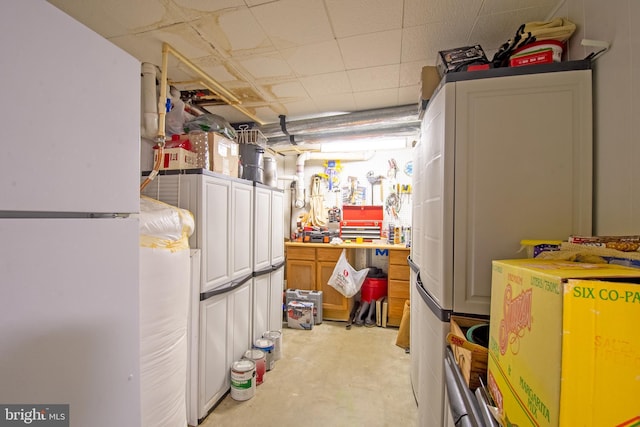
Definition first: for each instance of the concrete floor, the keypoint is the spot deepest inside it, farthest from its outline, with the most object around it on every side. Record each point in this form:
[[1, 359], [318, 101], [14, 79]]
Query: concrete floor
[[329, 376]]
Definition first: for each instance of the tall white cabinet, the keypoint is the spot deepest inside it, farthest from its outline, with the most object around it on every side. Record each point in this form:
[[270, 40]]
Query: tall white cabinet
[[237, 296], [221, 307], [504, 155], [268, 256]]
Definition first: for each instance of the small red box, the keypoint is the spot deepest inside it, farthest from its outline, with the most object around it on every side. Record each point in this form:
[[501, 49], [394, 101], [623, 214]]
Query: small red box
[[541, 57]]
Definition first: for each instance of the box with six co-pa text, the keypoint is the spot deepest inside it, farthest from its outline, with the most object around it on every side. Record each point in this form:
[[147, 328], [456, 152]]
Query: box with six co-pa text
[[564, 348]]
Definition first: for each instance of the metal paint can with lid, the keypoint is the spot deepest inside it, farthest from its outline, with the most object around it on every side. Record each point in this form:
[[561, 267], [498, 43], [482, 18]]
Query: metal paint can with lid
[[243, 385], [260, 359], [276, 337], [266, 345]]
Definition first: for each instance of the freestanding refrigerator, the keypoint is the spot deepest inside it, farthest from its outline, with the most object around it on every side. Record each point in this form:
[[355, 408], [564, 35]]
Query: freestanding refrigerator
[[504, 155], [69, 184]]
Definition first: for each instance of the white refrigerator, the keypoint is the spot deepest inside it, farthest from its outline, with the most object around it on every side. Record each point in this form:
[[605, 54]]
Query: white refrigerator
[[69, 198], [504, 155]]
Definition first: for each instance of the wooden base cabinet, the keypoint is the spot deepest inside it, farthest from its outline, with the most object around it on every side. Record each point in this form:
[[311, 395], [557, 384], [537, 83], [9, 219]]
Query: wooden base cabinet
[[398, 285]]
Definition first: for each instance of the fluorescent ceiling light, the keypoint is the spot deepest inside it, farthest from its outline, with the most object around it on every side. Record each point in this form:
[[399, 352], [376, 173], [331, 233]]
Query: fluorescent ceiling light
[[368, 144]]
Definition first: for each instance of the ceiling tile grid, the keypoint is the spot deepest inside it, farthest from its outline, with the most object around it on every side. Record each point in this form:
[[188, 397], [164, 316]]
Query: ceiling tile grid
[[306, 57]]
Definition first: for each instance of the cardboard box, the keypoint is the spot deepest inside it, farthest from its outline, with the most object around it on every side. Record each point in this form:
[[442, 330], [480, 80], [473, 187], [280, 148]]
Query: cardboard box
[[223, 155], [429, 82], [176, 158], [300, 315], [564, 349], [456, 59], [470, 357]]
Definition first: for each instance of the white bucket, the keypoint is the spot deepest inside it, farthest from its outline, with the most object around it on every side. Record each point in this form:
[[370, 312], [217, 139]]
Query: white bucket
[[276, 337], [266, 345], [243, 385]]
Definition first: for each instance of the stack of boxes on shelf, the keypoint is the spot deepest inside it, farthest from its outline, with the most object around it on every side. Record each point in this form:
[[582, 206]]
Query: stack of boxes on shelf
[[181, 153]]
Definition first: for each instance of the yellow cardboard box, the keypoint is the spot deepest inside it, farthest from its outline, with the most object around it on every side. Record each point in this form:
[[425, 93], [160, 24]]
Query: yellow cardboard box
[[223, 154], [564, 348]]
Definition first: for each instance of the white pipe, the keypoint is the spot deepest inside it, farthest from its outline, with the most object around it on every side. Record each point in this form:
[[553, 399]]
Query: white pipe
[[299, 203], [347, 156], [149, 101], [287, 177]]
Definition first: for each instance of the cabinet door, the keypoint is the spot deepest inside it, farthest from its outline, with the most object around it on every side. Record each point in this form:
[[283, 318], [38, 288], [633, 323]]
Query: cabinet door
[[241, 244], [276, 299], [240, 322], [522, 170], [277, 227], [261, 291], [262, 228], [301, 274], [335, 306], [435, 193], [215, 227], [213, 361]]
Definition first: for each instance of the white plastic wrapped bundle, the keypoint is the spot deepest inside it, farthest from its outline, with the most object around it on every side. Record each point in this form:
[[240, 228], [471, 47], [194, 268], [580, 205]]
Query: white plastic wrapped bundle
[[164, 304]]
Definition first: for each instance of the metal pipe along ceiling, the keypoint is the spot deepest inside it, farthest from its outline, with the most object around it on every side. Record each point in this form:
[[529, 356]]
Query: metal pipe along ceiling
[[392, 121]]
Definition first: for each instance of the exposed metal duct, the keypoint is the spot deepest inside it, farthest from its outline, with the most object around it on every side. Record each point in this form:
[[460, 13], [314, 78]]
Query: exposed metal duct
[[383, 122]]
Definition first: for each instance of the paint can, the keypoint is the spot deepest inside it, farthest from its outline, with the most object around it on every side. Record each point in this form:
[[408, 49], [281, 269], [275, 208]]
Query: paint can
[[243, 385], [266, 345], [260, 359], [276, 337]]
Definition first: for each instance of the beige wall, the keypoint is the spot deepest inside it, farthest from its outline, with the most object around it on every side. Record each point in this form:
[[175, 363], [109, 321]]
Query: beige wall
[[616, 108]]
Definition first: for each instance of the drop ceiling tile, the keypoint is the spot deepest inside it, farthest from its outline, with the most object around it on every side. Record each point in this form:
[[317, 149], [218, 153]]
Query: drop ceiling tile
[[291, 90], [376, 99], [353, 17], [227, 32], [335, 103], [374, 78], [319, 58], [297, 110], [291, 23], [423, 43], [120, 17], [408, 95], [494, 32], [326, 84], [411, 73], [218, 69], [267, 66], [490, 7], [208, 5], [455, 12], [371, 50], [147, 47]]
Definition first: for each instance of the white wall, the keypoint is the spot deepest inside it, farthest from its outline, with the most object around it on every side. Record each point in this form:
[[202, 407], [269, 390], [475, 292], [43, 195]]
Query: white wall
[[616, 108]]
